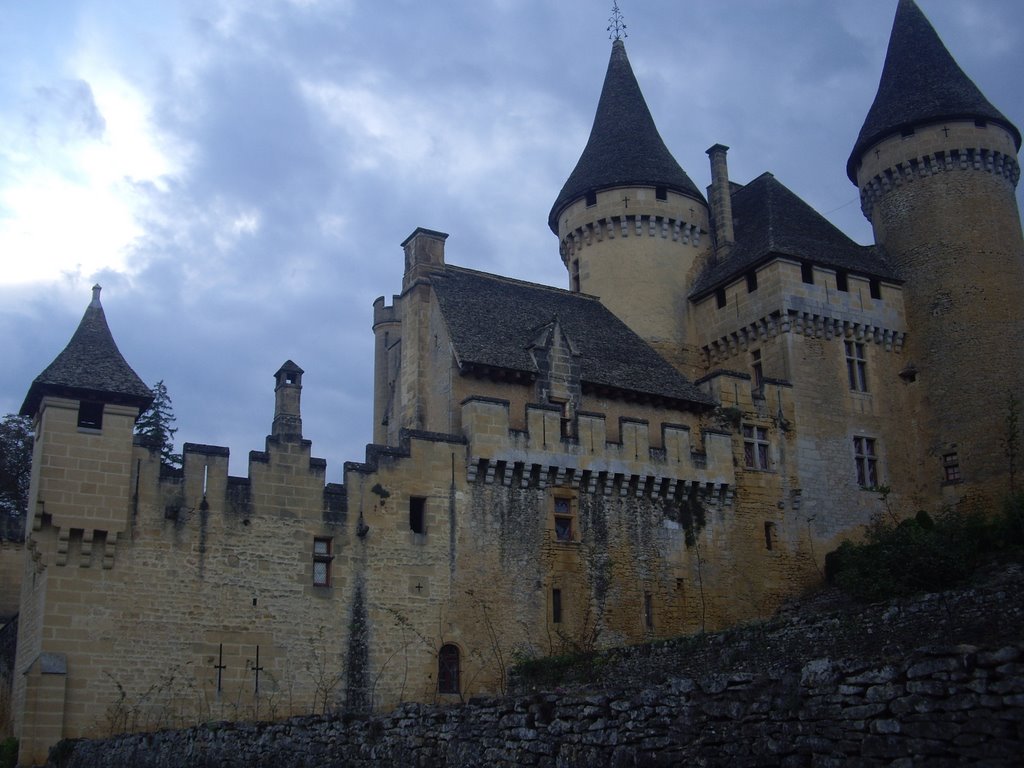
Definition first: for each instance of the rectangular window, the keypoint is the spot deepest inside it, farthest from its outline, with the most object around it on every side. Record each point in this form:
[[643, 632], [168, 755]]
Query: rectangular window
[[807, 272], [751, 281], [720, 297], [856, 366], [755, 447], [556, 606], [841, 281], [417, 514], [563, 519], [322, 558], [90, 415], [576, 275], [875, 286], [758, 370], [866, 458], [648, 611], [591, 198], [769, 535], [951, 467]]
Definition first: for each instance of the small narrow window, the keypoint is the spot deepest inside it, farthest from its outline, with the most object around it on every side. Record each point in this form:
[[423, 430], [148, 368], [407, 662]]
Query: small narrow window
[[648, 611], [90, 415], [563, 520], [856, 366], [751, 281], [769, 535], [907, 132], [951, 467], [661, 193], [755, 447], [591, 198], [576, 275], [720, 297], [842, 283], [448, 669], [322, 558], [865, 458], [417, 514], [758, 370], [807, 272], [556, 606], [875, 286], [981, 123]]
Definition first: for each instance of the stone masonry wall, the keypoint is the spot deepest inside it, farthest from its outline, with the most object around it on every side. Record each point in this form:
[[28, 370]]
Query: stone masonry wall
[[777, 695]]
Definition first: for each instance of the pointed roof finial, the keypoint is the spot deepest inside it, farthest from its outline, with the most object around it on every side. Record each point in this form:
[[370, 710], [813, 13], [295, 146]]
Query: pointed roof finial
[[96, 296], [616, 26]]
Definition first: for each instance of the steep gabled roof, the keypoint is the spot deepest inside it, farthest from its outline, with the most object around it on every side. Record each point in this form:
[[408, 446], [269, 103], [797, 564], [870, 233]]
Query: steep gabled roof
[[90, 368], [920, 83], [771, 220], [494, 320], [624, 147]]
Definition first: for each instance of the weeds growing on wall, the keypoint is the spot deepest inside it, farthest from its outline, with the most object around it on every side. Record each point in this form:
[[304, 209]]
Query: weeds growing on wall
[[922, 554], [8, 752]]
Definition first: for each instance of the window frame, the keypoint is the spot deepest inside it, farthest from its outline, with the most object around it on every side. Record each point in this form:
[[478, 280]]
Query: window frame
[[323, 557], [418, 513], [856, 365], [756, 448], [564, 519], [90, 415], [865, 457]]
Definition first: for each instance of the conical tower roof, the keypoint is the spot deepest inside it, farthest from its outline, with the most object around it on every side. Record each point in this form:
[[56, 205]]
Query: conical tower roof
[[90, 368], [625, 147], [920, 83]]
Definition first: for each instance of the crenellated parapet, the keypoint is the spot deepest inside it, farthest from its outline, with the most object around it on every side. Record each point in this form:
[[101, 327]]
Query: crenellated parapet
[[545, 455], [667, 228], [943, 161]]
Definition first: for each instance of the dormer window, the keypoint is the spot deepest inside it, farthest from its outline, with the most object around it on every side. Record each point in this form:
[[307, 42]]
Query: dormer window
[[90, 415], [720, 297], [661, 193]]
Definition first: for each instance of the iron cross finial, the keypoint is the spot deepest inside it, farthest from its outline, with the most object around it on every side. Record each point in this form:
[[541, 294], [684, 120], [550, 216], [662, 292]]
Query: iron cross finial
[[616, 26]]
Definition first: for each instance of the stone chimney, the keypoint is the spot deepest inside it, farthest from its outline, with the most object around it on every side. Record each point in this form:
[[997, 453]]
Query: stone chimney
[[287, 403], [424, 252], [720, 198]]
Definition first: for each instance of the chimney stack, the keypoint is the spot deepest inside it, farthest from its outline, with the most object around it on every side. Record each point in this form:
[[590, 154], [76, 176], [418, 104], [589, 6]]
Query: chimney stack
[[721, 201]]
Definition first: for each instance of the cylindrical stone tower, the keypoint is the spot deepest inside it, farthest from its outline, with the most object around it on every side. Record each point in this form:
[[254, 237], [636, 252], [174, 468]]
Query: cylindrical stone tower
[[936, 165]]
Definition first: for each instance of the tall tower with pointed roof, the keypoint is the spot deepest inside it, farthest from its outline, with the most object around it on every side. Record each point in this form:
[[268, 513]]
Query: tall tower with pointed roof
[[84, 406], [632, 226], [936, 165]]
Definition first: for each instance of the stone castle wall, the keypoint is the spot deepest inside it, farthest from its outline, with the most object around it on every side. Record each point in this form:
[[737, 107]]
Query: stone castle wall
[[824, 688]]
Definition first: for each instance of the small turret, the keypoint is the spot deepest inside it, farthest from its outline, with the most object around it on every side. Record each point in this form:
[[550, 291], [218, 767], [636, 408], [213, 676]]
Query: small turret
[[287, 403]]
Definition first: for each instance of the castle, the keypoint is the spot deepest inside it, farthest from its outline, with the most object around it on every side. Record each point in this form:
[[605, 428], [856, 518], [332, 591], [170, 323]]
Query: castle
[[670, 445]]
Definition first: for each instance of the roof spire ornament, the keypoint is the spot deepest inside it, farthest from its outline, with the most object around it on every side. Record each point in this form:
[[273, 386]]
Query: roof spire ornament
[[616, 26]]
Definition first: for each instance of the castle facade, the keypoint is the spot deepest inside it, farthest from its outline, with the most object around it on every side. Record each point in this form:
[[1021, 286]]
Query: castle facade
[[670, 445]]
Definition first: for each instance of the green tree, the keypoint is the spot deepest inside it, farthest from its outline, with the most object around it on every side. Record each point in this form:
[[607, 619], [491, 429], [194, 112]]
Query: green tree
[[156, 425], [15, 473]]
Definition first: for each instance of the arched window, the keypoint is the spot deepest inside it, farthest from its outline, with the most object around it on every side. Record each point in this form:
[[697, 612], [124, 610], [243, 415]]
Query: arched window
[[448, 669]]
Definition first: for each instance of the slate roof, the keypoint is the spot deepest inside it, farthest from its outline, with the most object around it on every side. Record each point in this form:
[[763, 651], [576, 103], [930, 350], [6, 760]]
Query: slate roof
[[493, 320], [624, 147], [90, 367], [771, 220], [921, 82]]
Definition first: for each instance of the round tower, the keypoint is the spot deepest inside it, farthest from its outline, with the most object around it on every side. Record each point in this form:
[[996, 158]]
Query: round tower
[[936, 165], [632, 226]]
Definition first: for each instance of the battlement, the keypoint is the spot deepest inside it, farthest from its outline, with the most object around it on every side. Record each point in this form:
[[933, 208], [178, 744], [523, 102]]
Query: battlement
[[545, 453]]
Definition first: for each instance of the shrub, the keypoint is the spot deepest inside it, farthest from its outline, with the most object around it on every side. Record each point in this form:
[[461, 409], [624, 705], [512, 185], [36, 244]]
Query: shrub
[[916, 555], [8, 752]]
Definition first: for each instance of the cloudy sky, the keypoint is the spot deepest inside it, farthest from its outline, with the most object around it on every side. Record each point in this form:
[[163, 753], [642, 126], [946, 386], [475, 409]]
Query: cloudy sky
[[239, 175]]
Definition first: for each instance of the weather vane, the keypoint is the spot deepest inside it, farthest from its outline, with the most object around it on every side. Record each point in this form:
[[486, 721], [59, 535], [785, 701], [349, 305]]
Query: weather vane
[[616, 26]]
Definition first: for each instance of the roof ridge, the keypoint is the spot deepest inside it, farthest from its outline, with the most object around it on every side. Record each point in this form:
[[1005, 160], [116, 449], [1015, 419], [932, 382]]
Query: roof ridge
[[525, 283]]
